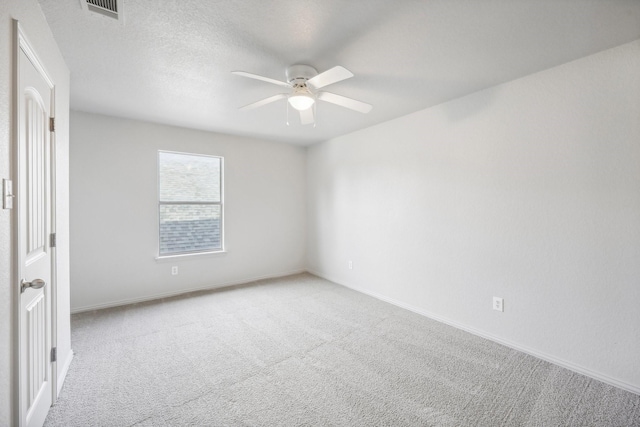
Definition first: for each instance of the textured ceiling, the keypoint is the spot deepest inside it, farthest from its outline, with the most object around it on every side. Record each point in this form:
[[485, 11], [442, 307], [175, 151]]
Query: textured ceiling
[[171, 61]]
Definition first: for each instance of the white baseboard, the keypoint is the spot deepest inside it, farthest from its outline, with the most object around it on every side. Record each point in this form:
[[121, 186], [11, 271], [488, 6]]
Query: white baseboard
[[62, 375], [508, 343], [152, 297]]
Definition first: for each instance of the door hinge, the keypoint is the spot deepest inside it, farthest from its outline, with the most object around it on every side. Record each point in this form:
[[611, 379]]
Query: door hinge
[[52, 124], [54, 354], [52, 240]]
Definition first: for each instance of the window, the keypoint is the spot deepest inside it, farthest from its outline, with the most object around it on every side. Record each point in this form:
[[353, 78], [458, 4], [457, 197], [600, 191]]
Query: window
[[189, 203]]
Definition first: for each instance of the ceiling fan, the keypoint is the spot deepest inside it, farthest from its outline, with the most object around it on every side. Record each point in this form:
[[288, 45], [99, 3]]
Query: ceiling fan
[[304, 84]]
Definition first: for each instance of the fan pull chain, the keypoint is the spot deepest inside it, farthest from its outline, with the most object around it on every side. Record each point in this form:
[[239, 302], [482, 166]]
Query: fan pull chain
[[288, 113], [315, 114]]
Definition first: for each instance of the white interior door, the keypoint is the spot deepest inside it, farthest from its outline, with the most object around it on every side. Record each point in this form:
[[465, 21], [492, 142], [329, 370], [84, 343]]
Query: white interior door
[[34, 254]]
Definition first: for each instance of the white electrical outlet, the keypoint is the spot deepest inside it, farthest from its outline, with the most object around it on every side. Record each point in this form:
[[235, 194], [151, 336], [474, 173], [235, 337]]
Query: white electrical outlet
[[174, 270], [350, 265], [498, 304]]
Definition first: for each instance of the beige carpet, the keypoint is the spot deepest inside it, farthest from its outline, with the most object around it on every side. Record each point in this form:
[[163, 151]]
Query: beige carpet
[[302, 351]]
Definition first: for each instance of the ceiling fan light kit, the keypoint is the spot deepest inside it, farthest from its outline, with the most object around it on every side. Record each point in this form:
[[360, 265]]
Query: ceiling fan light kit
[[304, 85], [301, 102]]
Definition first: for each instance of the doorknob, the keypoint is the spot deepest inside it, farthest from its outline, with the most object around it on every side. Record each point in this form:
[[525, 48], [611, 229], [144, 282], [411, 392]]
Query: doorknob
[[34, 284]]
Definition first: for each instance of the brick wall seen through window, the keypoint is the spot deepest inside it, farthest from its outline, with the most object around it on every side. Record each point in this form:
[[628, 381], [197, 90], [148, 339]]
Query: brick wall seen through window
[[189, 203]]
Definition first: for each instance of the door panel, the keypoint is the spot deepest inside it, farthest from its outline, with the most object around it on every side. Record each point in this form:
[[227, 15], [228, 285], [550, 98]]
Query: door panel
[[36, 349], [36, 140], [34, 225]]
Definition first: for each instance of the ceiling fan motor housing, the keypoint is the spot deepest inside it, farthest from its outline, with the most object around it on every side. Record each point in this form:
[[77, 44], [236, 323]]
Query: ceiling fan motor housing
[[297, 75]]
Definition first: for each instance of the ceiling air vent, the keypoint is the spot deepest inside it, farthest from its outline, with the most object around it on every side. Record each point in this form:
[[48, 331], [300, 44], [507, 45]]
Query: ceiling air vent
[[110, 8]]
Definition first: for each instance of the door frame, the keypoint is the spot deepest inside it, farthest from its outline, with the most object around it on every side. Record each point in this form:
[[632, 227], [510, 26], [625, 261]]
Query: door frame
[[21, 43]]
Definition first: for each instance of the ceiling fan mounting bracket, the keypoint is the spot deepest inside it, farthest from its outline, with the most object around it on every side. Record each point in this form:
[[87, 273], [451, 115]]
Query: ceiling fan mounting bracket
[[299, 74]]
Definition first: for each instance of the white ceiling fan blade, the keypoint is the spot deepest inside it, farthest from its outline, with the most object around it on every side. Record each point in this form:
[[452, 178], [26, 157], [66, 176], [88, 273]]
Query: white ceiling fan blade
[[306, 116], [343, 101], [330, 76], [264, 79], [264, 101]]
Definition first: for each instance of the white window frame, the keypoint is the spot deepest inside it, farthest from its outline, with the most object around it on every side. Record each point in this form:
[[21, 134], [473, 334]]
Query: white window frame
[[183, 202]]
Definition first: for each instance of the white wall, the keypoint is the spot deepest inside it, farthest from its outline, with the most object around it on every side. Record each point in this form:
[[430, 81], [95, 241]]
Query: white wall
[[114, 211], [37, 30], [529, 191]]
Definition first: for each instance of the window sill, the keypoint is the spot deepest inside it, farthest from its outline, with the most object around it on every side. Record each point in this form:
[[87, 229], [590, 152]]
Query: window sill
[[178, 257]]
